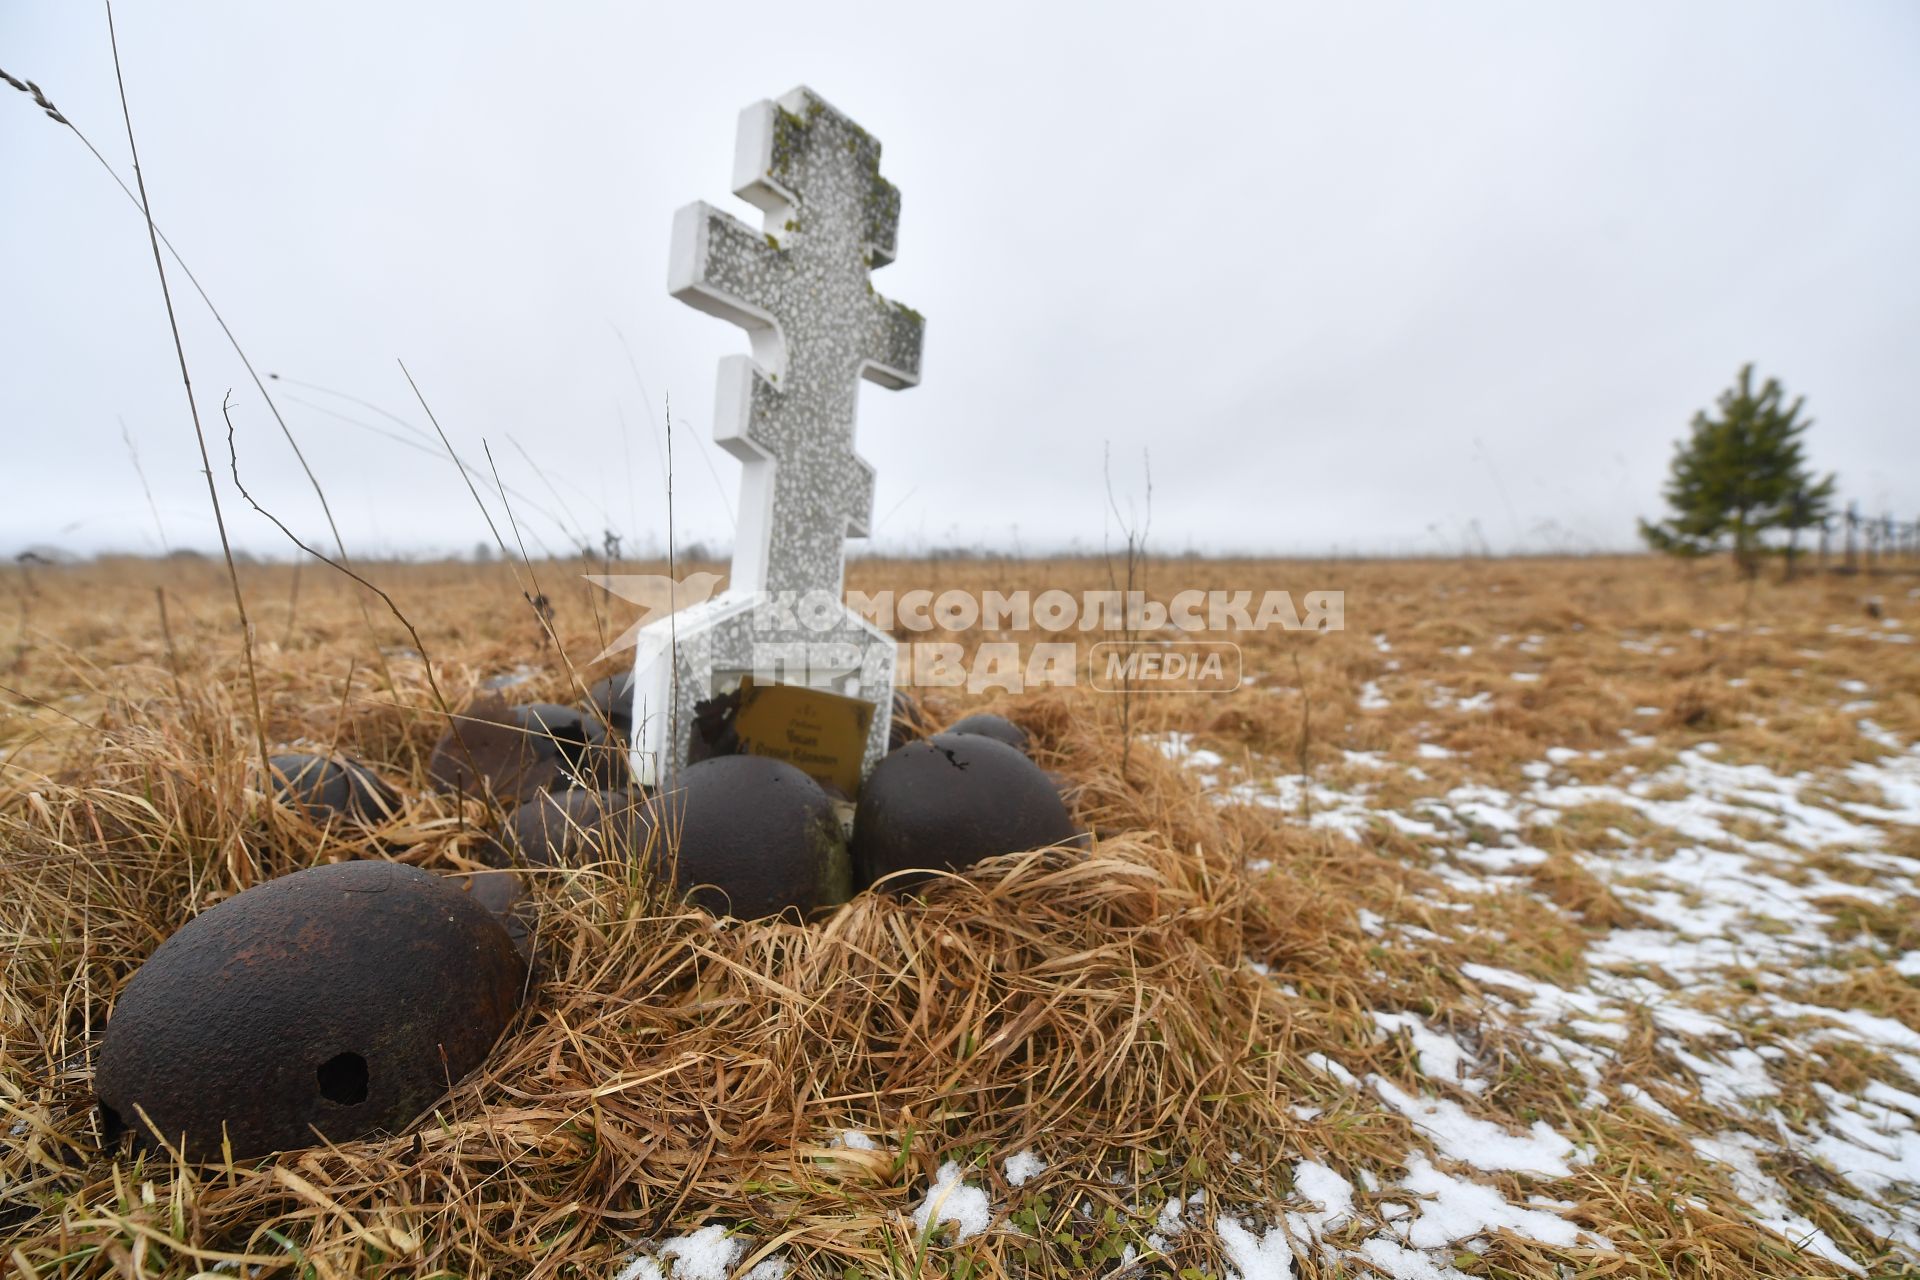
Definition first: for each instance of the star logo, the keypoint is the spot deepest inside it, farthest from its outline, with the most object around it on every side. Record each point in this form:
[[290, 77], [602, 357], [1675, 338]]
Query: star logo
[[656, 594]]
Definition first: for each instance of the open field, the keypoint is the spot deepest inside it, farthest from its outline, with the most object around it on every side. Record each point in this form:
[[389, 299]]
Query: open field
[[1553, 918]]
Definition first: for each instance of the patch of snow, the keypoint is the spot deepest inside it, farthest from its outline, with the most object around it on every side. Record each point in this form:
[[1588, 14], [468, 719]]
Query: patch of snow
[[1022, 1165], [1441, 1057], [1875, 1147], [951, 1200], [1331, 1195], [1250, 1257], [1633, 1093], [1731, 1079], [1737, 1153], [1406, 825], [1884, 737], [1735, 931], [1168, 1226], [707, 1254], [1327, 1066], [1481, 1143], [1477, 806], [1456, 1209], [1503, 858], [1178, 747], [1401, 1263]]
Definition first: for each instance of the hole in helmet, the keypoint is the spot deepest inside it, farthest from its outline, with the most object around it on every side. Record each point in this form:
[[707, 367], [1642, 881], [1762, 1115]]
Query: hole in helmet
[[343, 1079]]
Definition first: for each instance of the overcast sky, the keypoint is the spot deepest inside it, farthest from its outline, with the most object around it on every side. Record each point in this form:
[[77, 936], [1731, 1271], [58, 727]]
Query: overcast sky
[[1356, 276]]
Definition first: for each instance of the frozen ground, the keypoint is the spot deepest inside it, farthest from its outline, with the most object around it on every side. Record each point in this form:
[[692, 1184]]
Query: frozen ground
[[1735, 873], [1722, 986], [1739, 877]]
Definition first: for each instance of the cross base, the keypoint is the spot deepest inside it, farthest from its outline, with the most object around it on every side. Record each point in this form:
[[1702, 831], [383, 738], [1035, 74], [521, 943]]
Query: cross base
[[691, 656]]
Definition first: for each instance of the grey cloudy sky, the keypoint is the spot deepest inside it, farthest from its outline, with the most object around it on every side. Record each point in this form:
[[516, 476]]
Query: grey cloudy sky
[[1357, 275]]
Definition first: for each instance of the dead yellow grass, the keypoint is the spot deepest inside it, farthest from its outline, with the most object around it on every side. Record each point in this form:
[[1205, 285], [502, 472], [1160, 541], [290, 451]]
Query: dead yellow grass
[[1099, 1007]]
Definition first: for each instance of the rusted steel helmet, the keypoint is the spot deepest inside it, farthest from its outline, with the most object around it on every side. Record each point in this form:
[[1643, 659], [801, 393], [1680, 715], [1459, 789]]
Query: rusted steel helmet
[[611, 699], [748, 836], [325, 787], [946, 803], [988, 725], [577, 828], [338, 1000], [504, 894], [514, 753]]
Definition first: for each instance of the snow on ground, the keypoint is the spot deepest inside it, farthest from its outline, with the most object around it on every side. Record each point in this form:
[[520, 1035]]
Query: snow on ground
[[1262, 1257], [707, 1254], [1738, 1154], [1735, 872], [1441, 1056], [951, 1200], [1461, 1136], [1022, 1165], [1454, 1212]]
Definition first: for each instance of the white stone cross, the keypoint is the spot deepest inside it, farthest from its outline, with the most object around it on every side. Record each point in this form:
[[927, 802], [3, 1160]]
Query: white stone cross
[[801, 289]]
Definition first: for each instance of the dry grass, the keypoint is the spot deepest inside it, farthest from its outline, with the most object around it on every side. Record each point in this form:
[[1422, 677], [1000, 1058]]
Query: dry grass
[[1097, 1008]]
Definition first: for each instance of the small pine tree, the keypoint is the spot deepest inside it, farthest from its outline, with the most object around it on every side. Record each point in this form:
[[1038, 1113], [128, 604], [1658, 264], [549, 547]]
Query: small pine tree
[[1738, 475], [1808, 505]]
